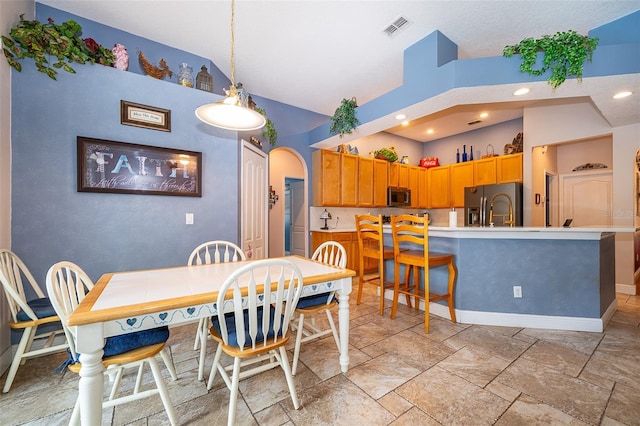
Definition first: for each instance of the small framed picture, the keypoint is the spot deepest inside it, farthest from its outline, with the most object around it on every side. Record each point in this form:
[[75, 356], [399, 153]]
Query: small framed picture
[[132, 114]]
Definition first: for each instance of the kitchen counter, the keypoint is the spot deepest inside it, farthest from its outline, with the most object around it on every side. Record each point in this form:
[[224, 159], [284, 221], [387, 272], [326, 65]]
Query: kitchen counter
[[566, 275], [521, 233]]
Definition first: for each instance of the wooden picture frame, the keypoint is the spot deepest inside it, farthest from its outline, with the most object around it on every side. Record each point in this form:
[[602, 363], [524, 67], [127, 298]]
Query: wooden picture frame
[[127, 168], [133, 114]]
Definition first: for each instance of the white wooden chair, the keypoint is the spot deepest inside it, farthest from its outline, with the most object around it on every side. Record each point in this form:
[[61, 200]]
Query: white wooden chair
[[206, 253], [334, 254], [67, 286], [27, 315], [256, 331]]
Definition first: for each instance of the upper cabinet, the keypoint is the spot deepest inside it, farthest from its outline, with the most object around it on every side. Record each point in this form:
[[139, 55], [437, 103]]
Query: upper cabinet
[[484, 171], [461, 177], [372, 181], [439, 187], [347, 180], [509, 168]]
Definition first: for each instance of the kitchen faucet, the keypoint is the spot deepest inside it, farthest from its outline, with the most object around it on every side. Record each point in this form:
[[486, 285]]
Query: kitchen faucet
[[510, 221]]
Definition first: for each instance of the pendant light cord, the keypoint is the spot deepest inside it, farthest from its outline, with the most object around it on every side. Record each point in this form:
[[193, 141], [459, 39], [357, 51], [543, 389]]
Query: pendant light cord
[[233, 42]]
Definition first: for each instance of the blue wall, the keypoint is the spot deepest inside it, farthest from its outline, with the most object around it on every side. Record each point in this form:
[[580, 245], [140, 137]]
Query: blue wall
[[51, 221]]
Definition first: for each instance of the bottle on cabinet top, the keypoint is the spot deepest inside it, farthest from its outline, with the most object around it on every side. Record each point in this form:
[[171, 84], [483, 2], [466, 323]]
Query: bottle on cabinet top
[[464, 153]]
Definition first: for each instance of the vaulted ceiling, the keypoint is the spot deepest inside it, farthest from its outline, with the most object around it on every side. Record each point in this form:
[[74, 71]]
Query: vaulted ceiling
[[311, 54]]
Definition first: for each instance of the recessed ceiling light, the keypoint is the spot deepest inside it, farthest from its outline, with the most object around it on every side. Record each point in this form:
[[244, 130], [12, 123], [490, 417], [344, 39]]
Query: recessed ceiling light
[[521, 92], [621, 95], [405, 123], [484, 115], [430, 131], [400, 117]]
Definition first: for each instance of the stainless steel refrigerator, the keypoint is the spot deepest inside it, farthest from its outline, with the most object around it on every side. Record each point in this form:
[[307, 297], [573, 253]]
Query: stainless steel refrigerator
[[493, 205]]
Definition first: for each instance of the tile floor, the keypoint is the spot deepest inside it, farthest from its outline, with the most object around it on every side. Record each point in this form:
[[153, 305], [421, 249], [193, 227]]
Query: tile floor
[[456, 375]]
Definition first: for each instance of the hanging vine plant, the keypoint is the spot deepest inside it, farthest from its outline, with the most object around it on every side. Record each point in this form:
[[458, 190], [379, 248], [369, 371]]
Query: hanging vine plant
[[344, 120], [47, 42], [269, 131], [564, 53]]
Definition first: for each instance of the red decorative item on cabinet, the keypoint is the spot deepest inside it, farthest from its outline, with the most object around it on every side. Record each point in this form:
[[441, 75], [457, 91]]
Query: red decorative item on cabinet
[[428, 162]]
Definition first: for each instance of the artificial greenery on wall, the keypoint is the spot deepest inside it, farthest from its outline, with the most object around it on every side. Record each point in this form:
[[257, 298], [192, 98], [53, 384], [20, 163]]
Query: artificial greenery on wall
[[344, 120], [46, 43], [269, 131], [564, 53]]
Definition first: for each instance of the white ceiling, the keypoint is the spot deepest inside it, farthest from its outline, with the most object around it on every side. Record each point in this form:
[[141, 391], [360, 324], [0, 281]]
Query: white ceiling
[[312, 53]]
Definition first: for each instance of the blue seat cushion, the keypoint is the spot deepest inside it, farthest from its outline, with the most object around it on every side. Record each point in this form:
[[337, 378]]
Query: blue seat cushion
[[117, 345], [313, 301], [41, 307], [232, 333]]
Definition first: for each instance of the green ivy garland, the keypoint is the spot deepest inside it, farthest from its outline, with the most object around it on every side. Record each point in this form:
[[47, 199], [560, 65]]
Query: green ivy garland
[[564, 53], [344, 120], [32, 39], [269, 131]]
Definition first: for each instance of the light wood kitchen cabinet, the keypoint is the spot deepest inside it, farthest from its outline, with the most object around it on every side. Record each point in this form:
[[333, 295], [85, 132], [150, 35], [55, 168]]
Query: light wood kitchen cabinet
[[349, 183], [423, 188], [348, 239], [439, 185], [326, 176], [461, 177], [399, 175], [484, 171], [334, 178], [414, 186], [372, 177], [380, 182], [509, 168]]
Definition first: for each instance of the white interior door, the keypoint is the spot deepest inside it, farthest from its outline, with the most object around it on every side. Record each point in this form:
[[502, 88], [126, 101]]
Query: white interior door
[[254, 203], [298, 209], [587, 197]]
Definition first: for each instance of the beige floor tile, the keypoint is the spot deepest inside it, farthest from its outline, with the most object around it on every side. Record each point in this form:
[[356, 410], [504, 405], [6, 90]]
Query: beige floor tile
[[624, 405], [415, 417], [528, 411], [580, 341], [381, 375], [452, 400], [556, 357], [419, 352], [474, 365], [337, 401], [573, 396], [395, 404], [489, 340]]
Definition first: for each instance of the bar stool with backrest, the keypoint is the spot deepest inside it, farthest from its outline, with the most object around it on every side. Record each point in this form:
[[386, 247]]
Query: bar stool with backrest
[[411, 249], [371, 245]]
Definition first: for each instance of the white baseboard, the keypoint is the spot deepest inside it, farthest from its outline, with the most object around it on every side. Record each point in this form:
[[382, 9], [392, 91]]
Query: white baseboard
[[626, 289], [549, 322]]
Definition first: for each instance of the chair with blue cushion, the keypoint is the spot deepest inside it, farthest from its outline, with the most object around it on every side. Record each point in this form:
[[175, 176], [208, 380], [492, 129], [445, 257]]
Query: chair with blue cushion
[[331, 253], [27, 315], [67, 286], [206, 253], [245, 332]]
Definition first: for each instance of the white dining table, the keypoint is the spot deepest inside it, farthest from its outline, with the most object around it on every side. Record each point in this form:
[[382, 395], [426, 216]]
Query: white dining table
[[126, 302]]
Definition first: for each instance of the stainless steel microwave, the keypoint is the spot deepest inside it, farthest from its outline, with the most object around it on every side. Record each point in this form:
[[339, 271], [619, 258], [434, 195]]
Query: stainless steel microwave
[[398, 197]]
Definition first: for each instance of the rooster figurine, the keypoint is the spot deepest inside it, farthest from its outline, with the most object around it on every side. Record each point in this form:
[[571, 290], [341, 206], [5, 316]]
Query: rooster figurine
[[122, 57]]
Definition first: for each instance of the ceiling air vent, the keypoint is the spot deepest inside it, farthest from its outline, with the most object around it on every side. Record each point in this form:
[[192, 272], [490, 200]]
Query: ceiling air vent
[[395, 26], [471, 123]]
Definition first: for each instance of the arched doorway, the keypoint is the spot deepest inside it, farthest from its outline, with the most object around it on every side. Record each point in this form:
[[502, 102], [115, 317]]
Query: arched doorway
[[289, 216]]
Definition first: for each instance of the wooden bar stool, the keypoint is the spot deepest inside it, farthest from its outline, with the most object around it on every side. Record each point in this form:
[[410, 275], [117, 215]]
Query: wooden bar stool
[[408, 229], [371, 245]]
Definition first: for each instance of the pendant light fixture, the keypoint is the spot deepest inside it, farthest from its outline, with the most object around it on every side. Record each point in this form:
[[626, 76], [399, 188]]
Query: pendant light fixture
[[232, 113]]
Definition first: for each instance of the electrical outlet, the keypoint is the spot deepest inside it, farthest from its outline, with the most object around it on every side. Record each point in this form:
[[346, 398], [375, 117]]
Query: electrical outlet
[[517, 291], [189, 219]]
